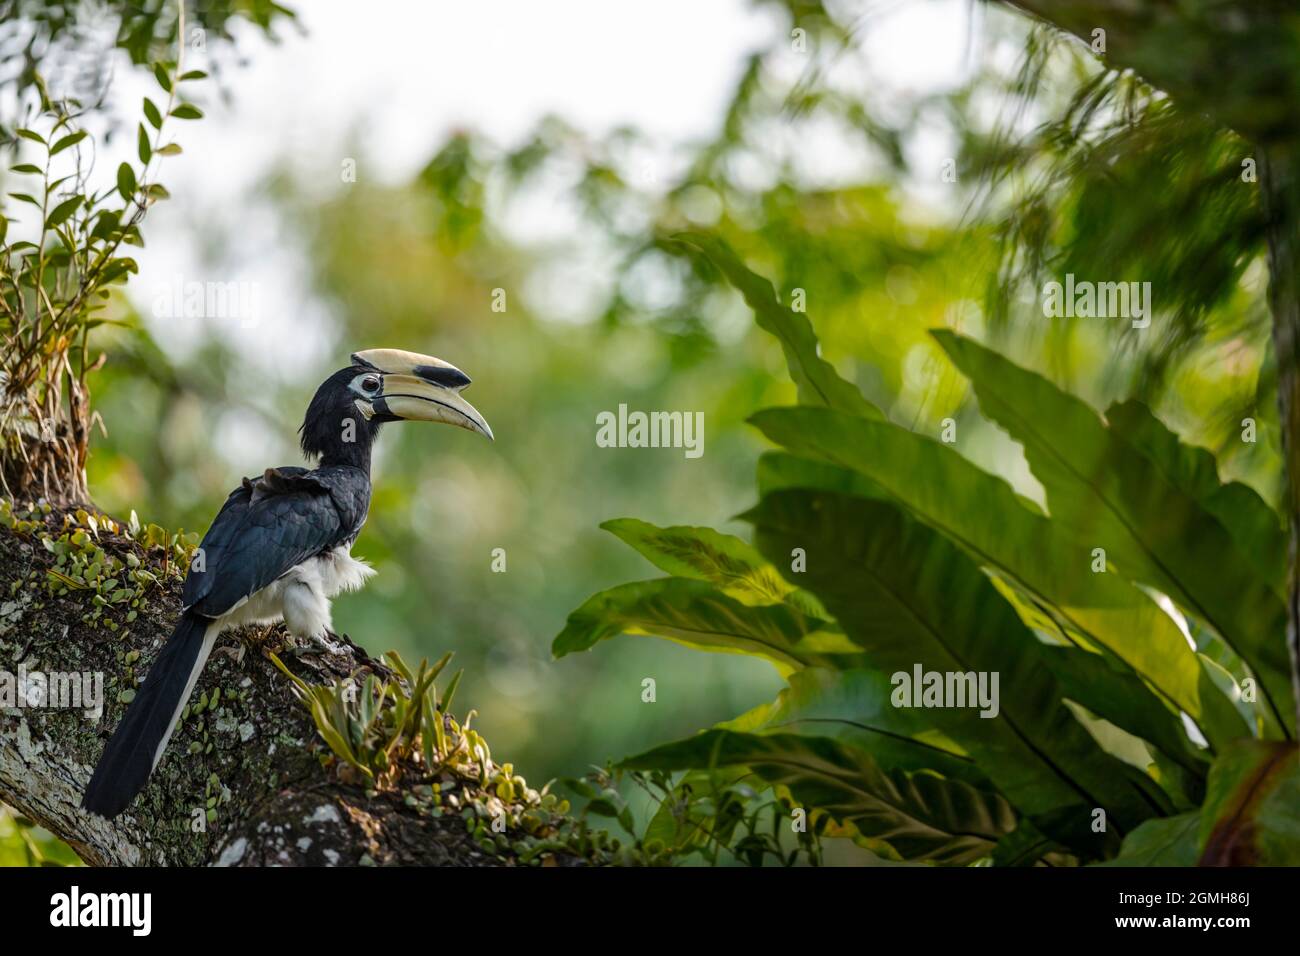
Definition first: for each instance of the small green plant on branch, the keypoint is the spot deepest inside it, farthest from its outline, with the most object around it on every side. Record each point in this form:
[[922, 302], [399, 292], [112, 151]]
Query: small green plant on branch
[[396, 735], [712, 818], [62, 250]]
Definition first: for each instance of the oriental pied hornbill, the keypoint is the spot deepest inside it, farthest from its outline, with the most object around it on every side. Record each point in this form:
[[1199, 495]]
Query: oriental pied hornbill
[[279, 548]]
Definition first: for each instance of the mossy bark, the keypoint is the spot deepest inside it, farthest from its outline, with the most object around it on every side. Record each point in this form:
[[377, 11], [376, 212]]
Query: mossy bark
[[242, 783]]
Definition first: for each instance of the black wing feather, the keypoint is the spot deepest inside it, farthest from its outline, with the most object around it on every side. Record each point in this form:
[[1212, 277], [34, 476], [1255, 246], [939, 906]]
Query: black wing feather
[[265, 528]]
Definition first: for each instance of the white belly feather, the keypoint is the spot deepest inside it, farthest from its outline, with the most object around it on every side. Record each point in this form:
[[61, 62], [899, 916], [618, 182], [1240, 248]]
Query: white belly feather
[[301, 596]]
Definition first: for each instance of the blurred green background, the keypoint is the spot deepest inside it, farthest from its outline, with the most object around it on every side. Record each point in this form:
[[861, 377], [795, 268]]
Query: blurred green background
[[826, 180]]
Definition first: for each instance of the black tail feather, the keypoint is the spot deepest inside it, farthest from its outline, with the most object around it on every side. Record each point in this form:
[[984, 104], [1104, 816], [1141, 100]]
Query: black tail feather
[[128, 759]]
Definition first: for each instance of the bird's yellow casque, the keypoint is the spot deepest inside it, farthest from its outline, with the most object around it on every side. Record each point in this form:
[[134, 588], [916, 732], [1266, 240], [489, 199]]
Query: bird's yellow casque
[[419, 388]]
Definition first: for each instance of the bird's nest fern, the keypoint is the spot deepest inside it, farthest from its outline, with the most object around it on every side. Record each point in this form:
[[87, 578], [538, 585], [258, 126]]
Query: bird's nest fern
[[398, 734]]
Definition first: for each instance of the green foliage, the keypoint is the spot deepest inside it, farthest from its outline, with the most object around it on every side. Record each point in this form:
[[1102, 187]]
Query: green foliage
[[717, 818], [914, 557], [723, 560], [1164, 841], [22, 843], [61, 253], [52, 43], [700, 615], [982, 514], [415, 263], [395, 733], [375, 725], [921, 816], [1109, 494], [818, 382], [1250, 817]]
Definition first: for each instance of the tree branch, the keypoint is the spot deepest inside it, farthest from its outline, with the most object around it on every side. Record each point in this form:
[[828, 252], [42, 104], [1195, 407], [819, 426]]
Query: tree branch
[[241, 783]]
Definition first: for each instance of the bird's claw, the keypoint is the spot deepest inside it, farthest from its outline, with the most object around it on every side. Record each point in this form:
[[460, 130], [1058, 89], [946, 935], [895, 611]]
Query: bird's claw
[[312, 645]]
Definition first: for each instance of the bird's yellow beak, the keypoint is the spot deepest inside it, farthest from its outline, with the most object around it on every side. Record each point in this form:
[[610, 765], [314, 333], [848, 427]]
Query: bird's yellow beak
[[421, 388]]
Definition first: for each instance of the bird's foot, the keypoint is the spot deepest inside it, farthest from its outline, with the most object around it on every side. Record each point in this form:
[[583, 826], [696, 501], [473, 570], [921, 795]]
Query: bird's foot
[[314, 645]]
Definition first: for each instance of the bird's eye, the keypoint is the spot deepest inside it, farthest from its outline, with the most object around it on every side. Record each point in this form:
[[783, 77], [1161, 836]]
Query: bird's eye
[[370, 383]]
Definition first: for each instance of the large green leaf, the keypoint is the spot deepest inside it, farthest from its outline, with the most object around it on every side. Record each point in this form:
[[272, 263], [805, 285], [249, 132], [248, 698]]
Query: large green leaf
[[1251, 815], [698, 615], [1027, 845], [778, 470], [922, 816], [911, 598], [731, 565], [1123, 699], [816, 379], [1239, 508], [853, 707], [983, 514], [1110, 496], [1168, 841]]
